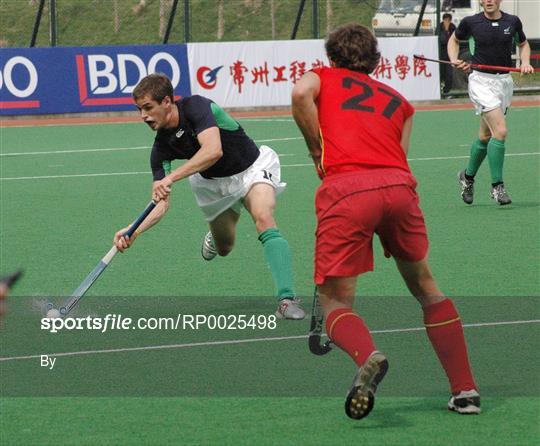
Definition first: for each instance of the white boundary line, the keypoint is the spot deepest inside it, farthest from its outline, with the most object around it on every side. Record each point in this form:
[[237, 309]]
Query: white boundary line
[[435, 158], [109, 174], [57, 152], [284, 119], [139, 121], [245, 341], [468, 107], [114, 149], [441, 158]]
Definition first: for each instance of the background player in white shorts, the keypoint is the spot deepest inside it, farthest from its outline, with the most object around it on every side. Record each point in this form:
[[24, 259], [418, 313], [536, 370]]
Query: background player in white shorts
[[225, 168], [492, 35]]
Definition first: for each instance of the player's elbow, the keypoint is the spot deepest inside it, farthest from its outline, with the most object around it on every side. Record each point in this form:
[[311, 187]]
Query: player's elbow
[[215, 153], [300, 95]]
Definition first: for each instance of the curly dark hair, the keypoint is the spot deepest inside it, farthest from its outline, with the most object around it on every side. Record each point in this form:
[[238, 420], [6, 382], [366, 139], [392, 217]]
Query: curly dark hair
[[354, 47], [156, 85]]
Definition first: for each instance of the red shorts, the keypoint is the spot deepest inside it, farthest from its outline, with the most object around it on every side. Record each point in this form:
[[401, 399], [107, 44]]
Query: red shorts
[[351, 207]]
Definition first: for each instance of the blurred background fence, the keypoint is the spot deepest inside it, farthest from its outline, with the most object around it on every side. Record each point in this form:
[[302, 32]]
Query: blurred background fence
[[121, 22], [43, 23]]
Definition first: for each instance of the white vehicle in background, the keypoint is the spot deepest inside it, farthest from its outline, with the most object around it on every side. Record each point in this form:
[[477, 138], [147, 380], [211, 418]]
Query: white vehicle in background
[[399, 17]]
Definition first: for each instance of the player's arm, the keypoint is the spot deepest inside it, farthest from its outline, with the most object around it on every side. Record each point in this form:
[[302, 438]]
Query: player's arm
[[406, 134], [453, 53], [525, 58], [122, 243], [305, 113], [524, 48], [209, 154]]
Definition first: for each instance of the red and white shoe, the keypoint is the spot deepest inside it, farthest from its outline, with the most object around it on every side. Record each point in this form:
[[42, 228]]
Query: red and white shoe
[[290, 309]]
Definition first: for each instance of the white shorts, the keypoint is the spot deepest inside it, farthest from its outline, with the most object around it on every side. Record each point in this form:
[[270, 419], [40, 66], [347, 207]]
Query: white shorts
[[490, 91], [216, 195]]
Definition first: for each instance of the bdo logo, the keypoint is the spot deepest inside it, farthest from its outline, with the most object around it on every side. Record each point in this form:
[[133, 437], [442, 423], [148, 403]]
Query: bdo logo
[[120, 74], [19, 78]]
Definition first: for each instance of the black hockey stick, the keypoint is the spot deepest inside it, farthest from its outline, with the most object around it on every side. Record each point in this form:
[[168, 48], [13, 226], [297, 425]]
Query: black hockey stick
[[315, 331]]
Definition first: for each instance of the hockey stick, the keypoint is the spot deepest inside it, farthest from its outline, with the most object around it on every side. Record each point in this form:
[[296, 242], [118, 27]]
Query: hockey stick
[[315, 329], [103, 263], [11, 279], [475, 66]]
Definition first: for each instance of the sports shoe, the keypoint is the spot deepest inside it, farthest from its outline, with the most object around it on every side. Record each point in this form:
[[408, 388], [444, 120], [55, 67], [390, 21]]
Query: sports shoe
[[499, 194], [208, 249], [290, 309], [467, 187], [361, 397], [467, 402]]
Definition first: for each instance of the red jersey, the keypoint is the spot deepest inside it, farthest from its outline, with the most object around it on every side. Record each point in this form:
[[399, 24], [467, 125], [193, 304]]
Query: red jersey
[[361, 121]]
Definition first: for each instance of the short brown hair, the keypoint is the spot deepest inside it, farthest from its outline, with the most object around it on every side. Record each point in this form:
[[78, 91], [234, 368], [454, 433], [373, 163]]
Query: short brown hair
[[156, 85], [354, 47]]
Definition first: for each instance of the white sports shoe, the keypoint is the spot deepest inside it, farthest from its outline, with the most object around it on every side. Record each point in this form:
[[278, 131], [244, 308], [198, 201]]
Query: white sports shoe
[[290, 309], [499, 194], [466, 402], [208, 249]]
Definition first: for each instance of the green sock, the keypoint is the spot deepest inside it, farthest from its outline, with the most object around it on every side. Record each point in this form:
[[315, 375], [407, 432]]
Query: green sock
[[495, 152], [278, 255], [478, 153]]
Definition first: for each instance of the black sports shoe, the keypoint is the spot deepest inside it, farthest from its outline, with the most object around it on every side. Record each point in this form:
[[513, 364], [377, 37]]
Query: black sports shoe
[[499, 194], [361, 397], [467, 187], [467, 402]]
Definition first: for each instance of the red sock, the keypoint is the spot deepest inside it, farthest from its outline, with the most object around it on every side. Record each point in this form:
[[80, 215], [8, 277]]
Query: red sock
[[445, 332], [349, 332]]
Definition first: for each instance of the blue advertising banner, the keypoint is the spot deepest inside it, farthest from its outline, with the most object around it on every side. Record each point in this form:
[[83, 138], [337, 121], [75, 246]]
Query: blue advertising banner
[[84, 79]]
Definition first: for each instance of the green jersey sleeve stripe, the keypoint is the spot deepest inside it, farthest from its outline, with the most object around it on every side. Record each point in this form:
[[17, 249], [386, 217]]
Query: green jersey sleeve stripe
[[167, 167], [223, 119], [472, 45]]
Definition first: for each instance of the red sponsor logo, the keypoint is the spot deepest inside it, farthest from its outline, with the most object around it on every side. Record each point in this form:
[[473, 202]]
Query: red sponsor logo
[[207, 77]]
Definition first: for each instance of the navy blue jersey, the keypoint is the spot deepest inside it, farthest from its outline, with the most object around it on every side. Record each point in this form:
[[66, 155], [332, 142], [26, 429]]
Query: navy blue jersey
[[197, 114], [491, 41]]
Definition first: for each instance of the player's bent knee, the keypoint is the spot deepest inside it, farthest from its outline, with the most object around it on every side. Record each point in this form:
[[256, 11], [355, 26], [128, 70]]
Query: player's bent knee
[[225, 250], [424, 286], [417, 275], [264, 221], [484, 138], [426, 283], [424, 278], [501, 134]]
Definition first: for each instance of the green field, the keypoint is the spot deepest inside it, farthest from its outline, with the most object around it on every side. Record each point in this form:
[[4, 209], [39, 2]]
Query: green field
[[65, 190]]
